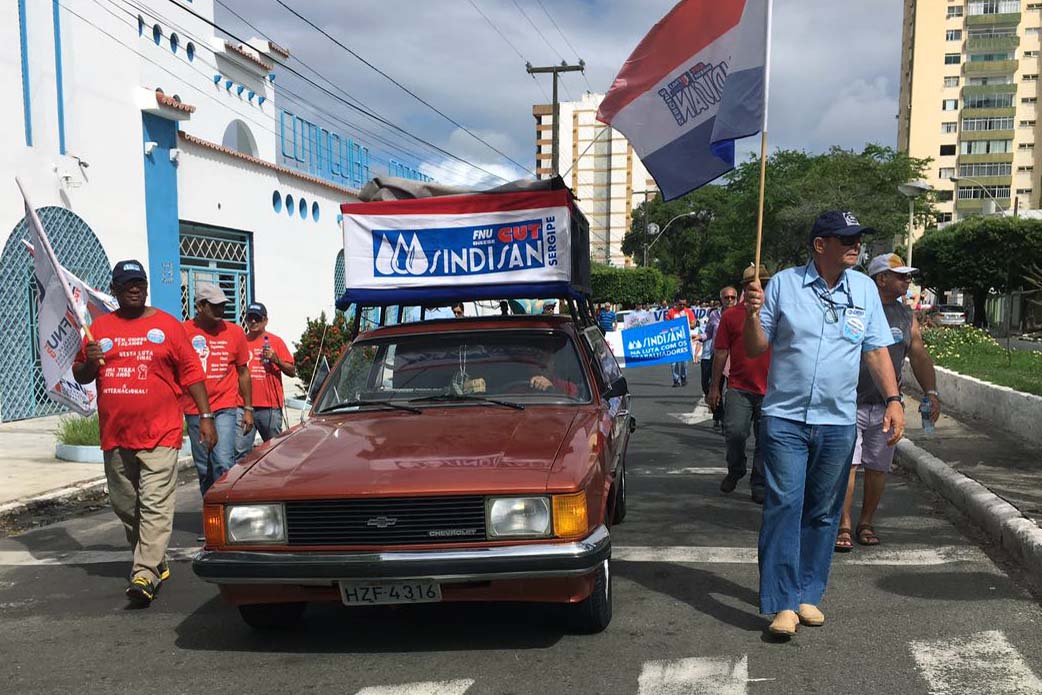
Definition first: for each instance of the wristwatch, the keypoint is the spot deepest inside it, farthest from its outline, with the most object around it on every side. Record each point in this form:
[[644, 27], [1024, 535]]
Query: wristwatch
[[933, 393], [899, 399], [248, 408], [206, 416]]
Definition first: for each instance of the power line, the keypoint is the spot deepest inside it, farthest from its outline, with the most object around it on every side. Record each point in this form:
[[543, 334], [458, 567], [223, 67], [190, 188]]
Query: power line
[[354, 107], [546, 97], [543, 37], [403, 87], [566, 41]]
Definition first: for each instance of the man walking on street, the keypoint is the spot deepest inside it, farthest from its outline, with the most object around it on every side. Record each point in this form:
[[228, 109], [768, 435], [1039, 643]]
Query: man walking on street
[[746, 386], [680, 310], [142, 360], [871, 450], [728, 298], [269, 359], [606, 319], [223, 354], [820, 320]]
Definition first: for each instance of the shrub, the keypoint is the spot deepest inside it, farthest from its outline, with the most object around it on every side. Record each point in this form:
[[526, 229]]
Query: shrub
[[306, 355], [76, 430], [628, 286]]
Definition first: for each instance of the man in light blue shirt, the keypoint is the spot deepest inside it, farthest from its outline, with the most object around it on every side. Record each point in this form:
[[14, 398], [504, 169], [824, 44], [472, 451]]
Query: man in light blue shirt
[[820, 320]]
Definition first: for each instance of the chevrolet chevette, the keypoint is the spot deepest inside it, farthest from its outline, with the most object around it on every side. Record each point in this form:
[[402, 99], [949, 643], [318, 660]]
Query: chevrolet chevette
[[475, 459]]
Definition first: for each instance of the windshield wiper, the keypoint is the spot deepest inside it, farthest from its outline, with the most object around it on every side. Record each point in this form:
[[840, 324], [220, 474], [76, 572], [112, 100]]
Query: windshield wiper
[[356, 403], [467, 397]]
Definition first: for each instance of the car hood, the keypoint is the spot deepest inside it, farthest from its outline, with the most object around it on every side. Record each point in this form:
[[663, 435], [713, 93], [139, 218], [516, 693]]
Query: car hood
[[444, 450]]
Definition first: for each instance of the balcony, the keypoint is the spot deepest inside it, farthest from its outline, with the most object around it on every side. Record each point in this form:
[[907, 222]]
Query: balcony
[[977, 204], [991, 20], [991, 67], [985, 135], [985, 158], [992, 43], [1009, 112], [975, 89]]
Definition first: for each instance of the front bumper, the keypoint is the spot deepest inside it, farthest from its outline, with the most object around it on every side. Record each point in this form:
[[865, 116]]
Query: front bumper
[[572, 559]]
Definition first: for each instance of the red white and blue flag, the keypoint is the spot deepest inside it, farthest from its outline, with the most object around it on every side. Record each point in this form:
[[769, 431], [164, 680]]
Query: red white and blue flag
[[694, 84]]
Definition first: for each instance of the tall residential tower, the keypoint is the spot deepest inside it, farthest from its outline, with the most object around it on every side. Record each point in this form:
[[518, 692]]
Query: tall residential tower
[[969, 101]]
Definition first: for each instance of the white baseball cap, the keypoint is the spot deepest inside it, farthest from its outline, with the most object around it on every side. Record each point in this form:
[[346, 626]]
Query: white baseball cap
[[891, 262]]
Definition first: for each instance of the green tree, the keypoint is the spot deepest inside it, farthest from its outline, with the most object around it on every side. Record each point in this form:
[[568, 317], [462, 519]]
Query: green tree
[[332, 337], [980, 255], [629, 286]]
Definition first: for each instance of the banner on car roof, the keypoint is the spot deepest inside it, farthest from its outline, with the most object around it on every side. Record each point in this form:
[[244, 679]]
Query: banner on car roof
[[449, 248], [664, 342]]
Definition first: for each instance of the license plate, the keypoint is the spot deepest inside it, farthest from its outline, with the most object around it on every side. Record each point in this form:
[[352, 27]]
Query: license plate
[[383, 593]]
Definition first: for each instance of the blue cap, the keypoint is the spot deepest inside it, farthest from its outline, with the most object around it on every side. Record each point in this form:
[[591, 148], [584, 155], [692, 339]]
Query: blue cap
[[125, 271], [257, 309], [838, 223]]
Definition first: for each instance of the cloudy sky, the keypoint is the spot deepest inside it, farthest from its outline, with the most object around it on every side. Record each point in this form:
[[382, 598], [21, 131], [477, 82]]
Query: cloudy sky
[[833, 78]]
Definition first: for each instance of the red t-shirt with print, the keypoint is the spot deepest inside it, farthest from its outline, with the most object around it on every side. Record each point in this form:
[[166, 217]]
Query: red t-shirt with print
[[747, 374], [149, 363], [267, 378], [219, 352]]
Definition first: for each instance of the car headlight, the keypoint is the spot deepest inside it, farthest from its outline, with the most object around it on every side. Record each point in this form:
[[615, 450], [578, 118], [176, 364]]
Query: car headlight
[[256, 523], [514, 517]]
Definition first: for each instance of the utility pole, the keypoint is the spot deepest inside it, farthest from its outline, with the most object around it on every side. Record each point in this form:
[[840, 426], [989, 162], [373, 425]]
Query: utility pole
[[646, 231], [555, 70]]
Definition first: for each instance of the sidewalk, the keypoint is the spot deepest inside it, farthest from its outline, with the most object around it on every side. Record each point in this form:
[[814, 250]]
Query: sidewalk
[[29, 471], [990, 475]]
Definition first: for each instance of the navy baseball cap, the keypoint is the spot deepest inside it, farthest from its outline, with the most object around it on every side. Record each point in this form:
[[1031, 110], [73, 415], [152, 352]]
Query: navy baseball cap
[[125, 271], [257, 309], [838, 223]]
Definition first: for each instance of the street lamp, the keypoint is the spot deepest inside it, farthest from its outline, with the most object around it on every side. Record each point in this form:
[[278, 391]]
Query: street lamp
[[957, 179], [648, 246], [912, 190]]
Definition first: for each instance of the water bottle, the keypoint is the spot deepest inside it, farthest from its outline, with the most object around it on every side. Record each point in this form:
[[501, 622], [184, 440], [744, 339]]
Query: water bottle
[[925, 409], [267, 344]]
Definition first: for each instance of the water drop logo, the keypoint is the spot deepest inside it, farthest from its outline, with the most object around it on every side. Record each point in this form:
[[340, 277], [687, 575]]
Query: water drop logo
[[405, 257]]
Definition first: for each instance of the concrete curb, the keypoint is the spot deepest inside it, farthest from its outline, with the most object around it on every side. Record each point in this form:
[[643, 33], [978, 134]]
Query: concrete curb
[[1020, 536], [69, 493]]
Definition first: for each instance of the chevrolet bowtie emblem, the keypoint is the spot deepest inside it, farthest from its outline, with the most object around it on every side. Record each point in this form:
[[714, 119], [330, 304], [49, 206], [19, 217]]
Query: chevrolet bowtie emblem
[[382, 521]]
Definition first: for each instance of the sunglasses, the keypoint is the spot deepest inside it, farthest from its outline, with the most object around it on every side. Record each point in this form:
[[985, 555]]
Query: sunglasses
[[254, 319], [851, 240], [730, 297]]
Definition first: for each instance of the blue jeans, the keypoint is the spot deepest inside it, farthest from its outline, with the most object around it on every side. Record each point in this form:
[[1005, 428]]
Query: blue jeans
[[211, 464], [267, 421], [806, 468], [679, 372]]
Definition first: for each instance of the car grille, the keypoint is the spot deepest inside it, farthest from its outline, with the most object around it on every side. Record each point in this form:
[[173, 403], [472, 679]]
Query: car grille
[[383, 521]]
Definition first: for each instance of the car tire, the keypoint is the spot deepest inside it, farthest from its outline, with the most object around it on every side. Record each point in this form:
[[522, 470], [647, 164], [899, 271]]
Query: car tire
[[272, 616], [619, 513], [593, 614]]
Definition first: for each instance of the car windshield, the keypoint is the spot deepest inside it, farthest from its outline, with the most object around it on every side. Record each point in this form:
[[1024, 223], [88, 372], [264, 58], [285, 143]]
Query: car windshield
[[950, 308], [471, 368]]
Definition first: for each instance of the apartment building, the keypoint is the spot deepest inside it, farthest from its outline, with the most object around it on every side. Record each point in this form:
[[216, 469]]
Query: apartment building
[[608, 179], [969, 101]]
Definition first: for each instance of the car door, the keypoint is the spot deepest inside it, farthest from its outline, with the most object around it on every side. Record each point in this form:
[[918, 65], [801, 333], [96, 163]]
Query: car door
[[617, 409]]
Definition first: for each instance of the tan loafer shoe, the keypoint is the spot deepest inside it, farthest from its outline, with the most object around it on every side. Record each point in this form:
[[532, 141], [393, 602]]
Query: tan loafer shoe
[[784, 624], [811, 616]]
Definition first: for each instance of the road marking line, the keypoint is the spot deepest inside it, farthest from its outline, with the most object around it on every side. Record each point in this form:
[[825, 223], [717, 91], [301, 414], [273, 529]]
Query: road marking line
[[681, 554], [678, 554], [982, 662], [678, 471], [457, 687], [700, 414], [699, 675]]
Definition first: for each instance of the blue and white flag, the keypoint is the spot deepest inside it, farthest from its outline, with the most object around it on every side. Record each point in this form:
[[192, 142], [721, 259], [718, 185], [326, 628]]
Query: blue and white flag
[[696, 83], [657, 343]]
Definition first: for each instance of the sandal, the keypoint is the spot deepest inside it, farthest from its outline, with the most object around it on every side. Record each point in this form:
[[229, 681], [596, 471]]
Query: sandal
[[866, 535], [844, 541]]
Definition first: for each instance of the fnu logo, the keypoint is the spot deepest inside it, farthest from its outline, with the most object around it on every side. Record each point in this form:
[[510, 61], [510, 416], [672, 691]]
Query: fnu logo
[[464, 251]]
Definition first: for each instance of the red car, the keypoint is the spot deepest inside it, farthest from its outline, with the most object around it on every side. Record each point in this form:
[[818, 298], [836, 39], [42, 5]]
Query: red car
[[478, 459]]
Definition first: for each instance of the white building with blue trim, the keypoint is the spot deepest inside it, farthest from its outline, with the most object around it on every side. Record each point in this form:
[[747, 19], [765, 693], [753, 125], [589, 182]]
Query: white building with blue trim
[[140, 133]]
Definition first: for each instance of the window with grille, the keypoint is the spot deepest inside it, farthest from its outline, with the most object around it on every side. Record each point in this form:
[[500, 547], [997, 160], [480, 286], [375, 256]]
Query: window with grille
[[953, 35], [222, 257], [985, 169], [976, 124], [949, 127], [952, 58], [987, 146], [992, 7], [991, 32], [976, 192], [988, 101], [954, 11], [951, 81]]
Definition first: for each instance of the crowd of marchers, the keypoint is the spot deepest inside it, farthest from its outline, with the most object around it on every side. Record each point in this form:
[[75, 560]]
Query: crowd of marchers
[[155, 374]]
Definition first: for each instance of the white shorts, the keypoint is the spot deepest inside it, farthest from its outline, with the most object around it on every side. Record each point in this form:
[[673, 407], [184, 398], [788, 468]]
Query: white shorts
[[870, 448]]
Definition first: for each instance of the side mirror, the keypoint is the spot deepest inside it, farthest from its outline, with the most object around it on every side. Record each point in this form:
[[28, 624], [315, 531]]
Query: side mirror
[[618, 388]]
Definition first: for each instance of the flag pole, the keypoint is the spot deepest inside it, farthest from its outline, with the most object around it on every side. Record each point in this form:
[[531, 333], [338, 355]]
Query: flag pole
[[34, 220], [763, 138]]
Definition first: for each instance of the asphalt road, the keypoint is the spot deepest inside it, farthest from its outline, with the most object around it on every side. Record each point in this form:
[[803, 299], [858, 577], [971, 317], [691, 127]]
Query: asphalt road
[[931, 610]]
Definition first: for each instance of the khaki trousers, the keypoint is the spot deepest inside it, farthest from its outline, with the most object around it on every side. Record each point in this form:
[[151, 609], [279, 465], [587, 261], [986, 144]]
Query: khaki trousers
[[142, 485]]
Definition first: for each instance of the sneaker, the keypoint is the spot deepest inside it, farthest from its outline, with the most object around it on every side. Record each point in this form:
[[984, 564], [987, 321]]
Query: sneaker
[[758, 496], [729, 483], [164, 571], [141, 592]]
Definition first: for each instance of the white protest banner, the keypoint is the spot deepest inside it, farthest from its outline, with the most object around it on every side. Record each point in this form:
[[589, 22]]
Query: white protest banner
[[60, 317]]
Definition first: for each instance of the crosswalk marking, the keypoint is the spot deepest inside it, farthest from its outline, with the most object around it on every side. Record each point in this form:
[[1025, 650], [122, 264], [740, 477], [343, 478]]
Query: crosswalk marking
[[695, 676], [457, 687], [700, 414], [677, 554], [691, 470], [984, 662]]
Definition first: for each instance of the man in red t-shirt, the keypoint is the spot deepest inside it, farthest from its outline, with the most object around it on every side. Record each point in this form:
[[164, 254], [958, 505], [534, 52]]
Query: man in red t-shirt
[[680, 309], [142, 361], [269, 360], [222, 352], [746, 386]]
